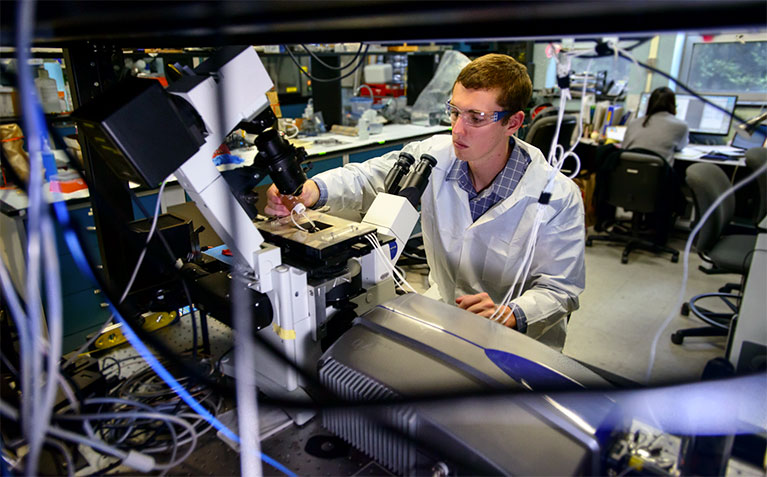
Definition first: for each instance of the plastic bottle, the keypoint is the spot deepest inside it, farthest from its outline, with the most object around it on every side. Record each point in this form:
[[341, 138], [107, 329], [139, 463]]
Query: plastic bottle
[[362, 129], [47, 91], [309, 110]]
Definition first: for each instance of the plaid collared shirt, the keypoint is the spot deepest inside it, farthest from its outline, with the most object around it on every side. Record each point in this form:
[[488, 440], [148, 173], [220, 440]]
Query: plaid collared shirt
[[502, 186]]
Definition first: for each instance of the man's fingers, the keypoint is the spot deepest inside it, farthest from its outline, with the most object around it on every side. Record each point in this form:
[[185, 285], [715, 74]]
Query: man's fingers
[[481, 308], [486, 313], [469, 300], [278, 210]]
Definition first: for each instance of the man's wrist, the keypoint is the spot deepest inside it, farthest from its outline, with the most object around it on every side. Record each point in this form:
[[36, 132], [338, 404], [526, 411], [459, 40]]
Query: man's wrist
[[323, 189], [520, 318], [509, 320]]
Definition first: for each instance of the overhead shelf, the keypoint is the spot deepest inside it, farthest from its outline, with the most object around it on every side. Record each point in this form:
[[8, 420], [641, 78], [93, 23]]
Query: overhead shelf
[[205, 23]]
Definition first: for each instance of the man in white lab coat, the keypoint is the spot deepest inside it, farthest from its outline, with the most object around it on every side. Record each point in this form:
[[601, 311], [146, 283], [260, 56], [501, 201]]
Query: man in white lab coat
[[480, 206]]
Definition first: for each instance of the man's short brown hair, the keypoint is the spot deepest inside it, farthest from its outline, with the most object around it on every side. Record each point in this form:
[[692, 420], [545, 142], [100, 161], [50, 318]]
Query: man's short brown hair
[[502, 72]]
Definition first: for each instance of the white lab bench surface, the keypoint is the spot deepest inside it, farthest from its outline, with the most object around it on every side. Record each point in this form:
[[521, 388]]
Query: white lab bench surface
[[327, 145], [392, 133], [13, 200]]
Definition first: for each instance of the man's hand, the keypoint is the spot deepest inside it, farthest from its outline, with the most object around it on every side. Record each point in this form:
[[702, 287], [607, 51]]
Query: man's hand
[[310, 194], [482, 305]]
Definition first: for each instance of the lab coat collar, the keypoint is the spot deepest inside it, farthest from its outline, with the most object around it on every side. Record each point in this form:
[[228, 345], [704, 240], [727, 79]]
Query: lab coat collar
[[530, 186]]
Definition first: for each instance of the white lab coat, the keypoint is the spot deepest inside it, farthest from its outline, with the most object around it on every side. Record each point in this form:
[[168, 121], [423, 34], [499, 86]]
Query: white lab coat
[[467, 257]]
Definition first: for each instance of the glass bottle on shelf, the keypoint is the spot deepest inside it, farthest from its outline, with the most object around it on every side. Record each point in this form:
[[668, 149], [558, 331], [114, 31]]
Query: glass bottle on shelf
[[47, 92]]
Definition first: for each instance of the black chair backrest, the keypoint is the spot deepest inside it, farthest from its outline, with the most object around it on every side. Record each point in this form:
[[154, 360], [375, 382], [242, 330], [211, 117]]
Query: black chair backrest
[[708, 182], [755, 158], [542, 132], [636, 182]]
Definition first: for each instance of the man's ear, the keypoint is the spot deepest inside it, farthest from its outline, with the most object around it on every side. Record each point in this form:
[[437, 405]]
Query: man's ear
[[515, 122]]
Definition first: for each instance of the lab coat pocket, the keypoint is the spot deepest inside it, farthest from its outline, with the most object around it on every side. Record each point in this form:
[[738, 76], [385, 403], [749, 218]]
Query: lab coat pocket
[[501, 261]]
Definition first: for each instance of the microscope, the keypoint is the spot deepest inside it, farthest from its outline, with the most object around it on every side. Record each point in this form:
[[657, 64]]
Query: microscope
[[306, 281]]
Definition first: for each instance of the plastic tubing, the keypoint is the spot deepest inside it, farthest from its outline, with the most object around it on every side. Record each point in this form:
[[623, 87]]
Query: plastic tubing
[[524, 269], [168, 418], [377, 247]]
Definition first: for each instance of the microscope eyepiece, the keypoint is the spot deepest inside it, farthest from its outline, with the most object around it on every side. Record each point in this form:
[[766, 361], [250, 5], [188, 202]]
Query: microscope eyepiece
[[397, 172], [415, 183]]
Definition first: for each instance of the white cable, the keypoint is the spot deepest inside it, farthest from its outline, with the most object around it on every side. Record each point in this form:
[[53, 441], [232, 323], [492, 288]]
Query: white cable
[[55, 321], [555, 159], [626, 53], [582, 112], [300, 209], [148, 239], [571, 152], [182, 439], [680, 298], [177, 439], [564, 95], [394, 276], [128, 287], [379, 248], [108, 400], [100, 446], [34, 124], [168, 418], [372, 243], [399, 279], [293, 125], [297, 225], [524, 268]]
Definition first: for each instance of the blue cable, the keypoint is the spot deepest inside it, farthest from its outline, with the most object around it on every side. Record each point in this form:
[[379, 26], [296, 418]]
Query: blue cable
[[4, 470], [82, 263]]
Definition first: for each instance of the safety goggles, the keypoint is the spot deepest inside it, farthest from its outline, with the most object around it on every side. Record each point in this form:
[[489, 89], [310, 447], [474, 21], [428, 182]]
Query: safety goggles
[[474, 118]]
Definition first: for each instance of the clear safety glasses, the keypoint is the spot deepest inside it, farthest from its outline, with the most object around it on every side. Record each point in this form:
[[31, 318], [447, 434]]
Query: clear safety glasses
[[474, 118]]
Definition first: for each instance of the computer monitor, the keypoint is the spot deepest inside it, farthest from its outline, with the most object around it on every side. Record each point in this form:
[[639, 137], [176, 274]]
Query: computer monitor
[[700, 117], [744, 140]]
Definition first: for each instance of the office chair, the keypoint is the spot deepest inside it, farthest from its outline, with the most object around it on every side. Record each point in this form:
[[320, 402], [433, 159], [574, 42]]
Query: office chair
[[755, 158], [542, 129], [636, 184], [725, 253]]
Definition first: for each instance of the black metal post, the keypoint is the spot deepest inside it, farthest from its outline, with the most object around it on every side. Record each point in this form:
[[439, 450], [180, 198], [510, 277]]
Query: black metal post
[[91, 68]]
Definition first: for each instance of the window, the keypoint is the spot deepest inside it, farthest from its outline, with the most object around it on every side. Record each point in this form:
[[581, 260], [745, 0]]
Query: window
[[732, 64]]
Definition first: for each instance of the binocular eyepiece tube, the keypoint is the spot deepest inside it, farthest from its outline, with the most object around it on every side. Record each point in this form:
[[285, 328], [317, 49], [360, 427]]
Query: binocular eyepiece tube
[[415, 183], [397, 173]]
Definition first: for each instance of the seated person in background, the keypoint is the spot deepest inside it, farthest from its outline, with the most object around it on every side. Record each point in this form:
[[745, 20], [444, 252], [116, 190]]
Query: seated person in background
[[659, 131], [480, 205]]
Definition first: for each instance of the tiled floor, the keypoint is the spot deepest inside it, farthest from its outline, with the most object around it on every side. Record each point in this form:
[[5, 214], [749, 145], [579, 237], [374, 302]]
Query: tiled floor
[[623, 307]]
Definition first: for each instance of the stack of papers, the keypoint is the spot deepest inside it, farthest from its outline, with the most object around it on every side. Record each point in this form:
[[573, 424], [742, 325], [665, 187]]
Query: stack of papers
[[697, 151]]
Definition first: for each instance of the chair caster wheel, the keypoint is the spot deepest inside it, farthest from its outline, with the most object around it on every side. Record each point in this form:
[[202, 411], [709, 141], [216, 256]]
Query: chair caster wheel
[[624, 259], [588, 242], [677, 338], [685, 309], [675, 258]]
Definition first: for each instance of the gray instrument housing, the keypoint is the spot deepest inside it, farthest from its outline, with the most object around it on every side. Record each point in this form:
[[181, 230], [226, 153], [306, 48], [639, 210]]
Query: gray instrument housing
[[413, 346]]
